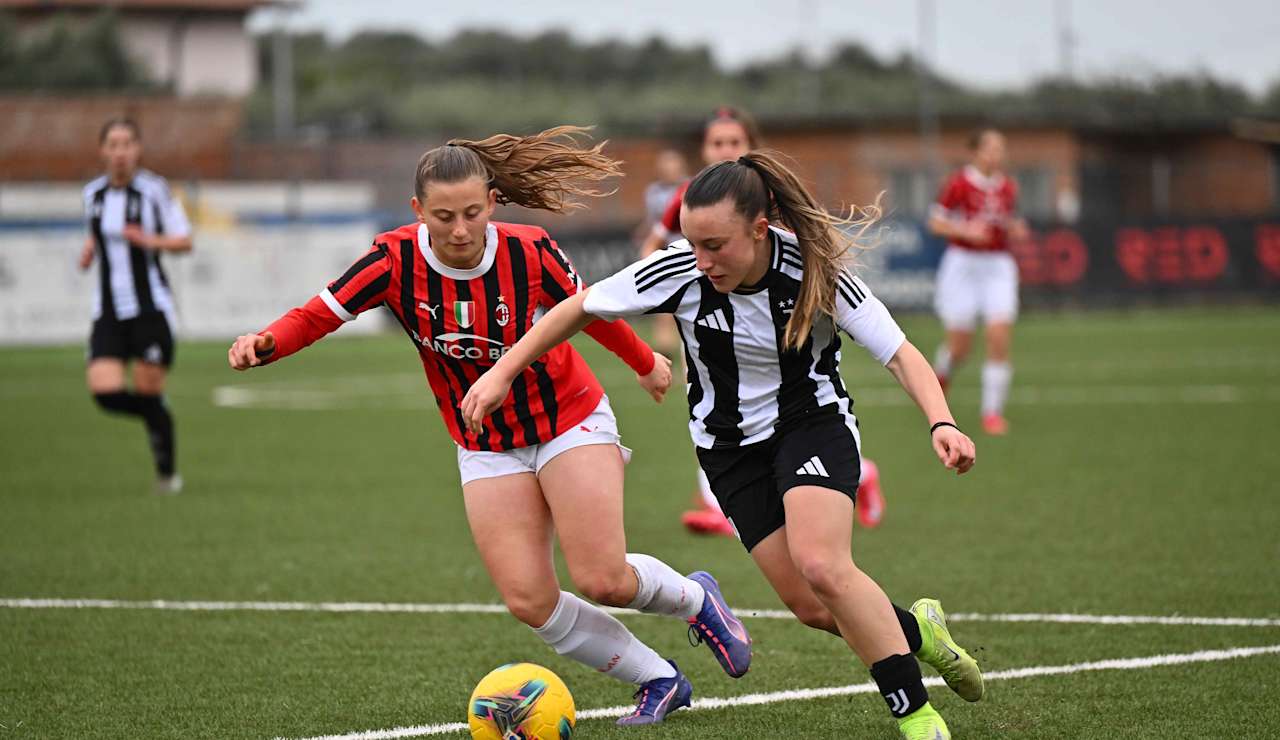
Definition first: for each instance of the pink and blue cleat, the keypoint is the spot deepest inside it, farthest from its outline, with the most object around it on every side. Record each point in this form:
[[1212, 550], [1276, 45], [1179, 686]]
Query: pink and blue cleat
[[722, 632], [658, 698]]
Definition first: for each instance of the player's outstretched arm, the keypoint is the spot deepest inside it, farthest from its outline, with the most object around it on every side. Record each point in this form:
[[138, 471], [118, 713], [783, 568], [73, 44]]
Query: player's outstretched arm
[[296, 330], [487, 393], [954, 449]]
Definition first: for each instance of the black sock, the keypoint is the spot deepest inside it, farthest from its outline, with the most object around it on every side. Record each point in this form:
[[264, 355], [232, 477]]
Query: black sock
[[118, 402], [910, 628], [159, 431], [898, 677]]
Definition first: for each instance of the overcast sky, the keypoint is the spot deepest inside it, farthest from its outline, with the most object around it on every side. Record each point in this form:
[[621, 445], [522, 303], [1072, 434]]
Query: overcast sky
[[989, 42]]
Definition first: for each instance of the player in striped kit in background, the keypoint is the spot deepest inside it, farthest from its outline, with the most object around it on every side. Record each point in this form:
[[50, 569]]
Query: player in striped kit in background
[[759, 309], [550, 460], [132, 218]]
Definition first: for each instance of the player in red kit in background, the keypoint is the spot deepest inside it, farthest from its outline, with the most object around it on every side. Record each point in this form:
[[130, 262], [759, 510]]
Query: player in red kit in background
[[977, 214], [550, 460]]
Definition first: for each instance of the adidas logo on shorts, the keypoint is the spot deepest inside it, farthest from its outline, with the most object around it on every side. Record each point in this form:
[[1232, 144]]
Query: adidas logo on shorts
[[813, 467]]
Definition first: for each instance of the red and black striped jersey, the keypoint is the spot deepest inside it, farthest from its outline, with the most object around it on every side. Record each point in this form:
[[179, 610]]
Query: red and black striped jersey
[[462, 321]]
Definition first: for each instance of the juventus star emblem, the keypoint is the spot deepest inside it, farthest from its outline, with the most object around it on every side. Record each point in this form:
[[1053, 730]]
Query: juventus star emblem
[[464, 313], [501, 313]]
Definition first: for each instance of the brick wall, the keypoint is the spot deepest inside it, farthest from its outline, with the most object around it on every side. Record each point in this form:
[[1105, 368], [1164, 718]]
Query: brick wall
[[56, 138]]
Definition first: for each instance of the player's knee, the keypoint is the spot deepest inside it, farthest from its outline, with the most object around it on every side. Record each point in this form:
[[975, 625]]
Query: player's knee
[[824, 572], [606, 587], [532, 607]]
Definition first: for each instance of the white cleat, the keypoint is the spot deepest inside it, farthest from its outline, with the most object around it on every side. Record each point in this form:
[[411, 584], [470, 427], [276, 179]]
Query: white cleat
[[168, 485]]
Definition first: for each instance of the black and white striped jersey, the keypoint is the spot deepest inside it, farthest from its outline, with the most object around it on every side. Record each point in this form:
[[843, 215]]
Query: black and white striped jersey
[[131, 281], [741, 384]]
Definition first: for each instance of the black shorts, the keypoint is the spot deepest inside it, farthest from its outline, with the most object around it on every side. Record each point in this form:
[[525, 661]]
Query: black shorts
[[749, 481], [146, 337]]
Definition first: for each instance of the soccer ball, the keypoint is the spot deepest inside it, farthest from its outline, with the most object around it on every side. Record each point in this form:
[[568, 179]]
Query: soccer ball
[[521, 701]]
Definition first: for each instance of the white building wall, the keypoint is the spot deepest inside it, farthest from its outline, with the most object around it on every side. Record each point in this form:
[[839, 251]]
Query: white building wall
[[149, 40], [198, 55], [217, 57], [246, 267]]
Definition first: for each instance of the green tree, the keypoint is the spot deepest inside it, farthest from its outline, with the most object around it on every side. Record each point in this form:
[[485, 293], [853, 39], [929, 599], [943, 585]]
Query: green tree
[[67, 56]]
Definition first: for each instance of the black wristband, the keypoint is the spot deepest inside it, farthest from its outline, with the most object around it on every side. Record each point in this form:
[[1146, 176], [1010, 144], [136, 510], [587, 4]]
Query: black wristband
[[934, 428]]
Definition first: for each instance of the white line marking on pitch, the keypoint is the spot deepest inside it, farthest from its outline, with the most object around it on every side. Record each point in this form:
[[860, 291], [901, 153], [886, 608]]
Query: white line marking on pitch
[[357, 607], [398, 396], [1116, 664]]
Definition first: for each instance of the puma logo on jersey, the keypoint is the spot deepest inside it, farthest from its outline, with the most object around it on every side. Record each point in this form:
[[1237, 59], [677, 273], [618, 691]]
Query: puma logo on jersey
[[429, 309], [715, 320]]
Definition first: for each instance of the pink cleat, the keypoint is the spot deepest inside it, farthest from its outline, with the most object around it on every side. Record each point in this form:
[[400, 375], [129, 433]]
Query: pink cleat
[[995, 425], [870, 499], [707, 521]]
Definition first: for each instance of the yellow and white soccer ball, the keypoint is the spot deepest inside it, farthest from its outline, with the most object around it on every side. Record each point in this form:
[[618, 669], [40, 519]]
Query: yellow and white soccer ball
[[521, 701]]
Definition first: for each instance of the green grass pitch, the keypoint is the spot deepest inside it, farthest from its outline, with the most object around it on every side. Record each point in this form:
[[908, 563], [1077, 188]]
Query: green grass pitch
[[1141, 478]]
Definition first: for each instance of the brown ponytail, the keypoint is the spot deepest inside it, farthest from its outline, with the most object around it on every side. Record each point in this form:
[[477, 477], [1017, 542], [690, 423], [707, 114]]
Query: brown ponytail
[[543, 171], [760, 184]]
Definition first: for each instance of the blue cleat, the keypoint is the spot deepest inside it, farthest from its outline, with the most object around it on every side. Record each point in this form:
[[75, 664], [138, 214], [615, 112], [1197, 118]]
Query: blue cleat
[[716, 626], [658, 698]]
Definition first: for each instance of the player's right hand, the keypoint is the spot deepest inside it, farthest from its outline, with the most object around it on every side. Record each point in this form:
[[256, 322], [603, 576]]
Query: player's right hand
[[248, 349], [86, 254], [978, 232], [483, 398]]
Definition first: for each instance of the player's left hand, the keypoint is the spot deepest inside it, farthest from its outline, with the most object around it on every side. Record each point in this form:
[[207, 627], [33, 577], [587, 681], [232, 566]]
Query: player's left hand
[[954, 449], [86, 254], [658, 381], [484, 397], [134, 234]]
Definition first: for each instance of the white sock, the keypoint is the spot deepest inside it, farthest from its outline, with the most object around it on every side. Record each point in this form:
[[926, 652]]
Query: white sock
[[662, 590], [996, 377], [942, 362], [586, 633], [704, 488]]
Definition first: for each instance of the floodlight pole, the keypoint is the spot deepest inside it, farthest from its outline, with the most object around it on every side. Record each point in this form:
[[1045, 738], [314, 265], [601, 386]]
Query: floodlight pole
[[282, 74], [926, 12], [1066, 39]]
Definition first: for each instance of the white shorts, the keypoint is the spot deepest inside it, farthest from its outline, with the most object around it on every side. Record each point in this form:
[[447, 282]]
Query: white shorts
[[599, 428], [973, 285]]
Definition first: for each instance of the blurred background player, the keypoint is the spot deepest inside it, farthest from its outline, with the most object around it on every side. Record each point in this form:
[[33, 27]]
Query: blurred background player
[[550, 461], [133, 217], [673, 173], [976, 213], [730, 133]]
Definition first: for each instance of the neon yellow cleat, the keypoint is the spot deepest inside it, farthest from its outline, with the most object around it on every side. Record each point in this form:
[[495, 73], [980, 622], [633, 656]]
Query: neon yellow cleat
[[960, 671], [924, 724]]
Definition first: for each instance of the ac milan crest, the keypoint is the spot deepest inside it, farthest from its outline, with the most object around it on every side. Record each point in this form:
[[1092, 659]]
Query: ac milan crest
[[501, 313]]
